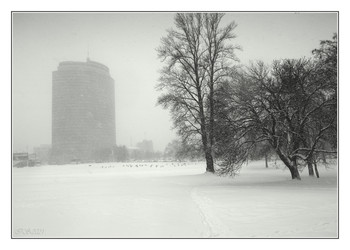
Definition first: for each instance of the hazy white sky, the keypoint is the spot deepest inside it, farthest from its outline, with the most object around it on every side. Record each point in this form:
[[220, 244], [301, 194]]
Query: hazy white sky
[[126, 43]]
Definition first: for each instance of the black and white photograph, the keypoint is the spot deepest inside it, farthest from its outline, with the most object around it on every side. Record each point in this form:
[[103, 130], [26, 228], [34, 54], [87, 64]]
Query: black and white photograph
[[174, 124]]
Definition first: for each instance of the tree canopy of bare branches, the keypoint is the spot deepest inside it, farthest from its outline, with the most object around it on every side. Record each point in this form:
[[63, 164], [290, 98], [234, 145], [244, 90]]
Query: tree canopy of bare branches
[[292, 105]]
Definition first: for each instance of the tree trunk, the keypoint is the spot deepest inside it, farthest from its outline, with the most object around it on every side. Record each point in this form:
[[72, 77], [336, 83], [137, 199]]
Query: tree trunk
[[266, 163], [209, 154], [207, 149], [311, 168], [295, 174], [316, 170], [210, 162], [294, 170]]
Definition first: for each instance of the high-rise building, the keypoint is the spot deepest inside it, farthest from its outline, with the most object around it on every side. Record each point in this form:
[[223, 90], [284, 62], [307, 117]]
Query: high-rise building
[[83, 112]]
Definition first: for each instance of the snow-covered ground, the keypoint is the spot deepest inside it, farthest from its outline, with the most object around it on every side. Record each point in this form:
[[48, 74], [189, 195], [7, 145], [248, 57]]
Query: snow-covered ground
[[171, 200]]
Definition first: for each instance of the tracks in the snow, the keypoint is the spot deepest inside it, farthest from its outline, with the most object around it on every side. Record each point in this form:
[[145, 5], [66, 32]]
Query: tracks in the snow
[[214, 227]]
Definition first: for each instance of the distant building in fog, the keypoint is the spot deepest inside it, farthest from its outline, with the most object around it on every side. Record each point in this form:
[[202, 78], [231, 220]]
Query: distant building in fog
[[145, 146], [43, 153], [83, 112]]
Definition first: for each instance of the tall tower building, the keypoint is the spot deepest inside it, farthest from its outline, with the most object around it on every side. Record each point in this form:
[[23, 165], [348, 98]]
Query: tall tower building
[[83, 112]]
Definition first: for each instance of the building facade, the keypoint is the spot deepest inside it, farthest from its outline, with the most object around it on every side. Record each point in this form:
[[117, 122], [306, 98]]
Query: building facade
[[83, 112]]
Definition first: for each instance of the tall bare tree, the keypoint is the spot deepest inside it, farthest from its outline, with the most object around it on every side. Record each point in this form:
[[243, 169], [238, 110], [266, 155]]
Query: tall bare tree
[[198, 57]]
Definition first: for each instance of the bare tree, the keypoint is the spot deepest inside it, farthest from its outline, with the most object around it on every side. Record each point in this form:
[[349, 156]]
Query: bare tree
[[322, 126], [290, 105], [198, 57]]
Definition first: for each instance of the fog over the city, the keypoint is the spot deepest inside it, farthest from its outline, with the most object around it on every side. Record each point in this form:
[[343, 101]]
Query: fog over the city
[[126, 43]]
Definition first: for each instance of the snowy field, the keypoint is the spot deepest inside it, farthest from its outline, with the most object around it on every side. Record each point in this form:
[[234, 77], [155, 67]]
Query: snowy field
[[171, 200]]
